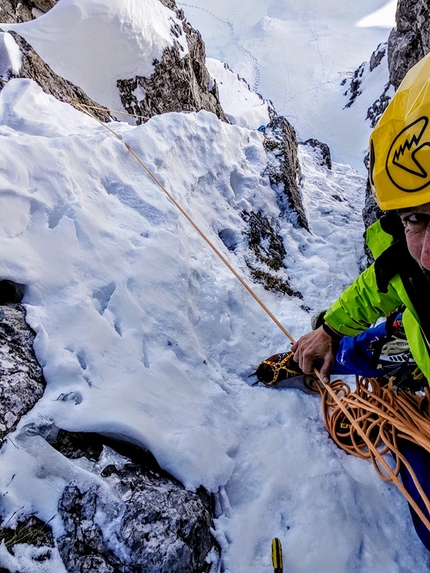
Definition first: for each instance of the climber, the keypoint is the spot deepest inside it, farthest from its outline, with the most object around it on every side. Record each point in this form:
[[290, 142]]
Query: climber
[[399, 175], [400, 241]]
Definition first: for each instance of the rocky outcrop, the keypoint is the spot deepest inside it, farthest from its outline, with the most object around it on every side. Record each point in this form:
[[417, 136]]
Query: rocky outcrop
[[12, 11], [375, 111], [161, 527], [179, 82], [280, 143], [34, 68], [354, 89], [322, 150], [409, 41], [21, 378], [371, 213], [267, 254]]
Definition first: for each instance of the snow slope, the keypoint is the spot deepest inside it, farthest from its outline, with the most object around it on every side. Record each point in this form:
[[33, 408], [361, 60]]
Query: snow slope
[[96, 241], [144, 334], [296, 53]]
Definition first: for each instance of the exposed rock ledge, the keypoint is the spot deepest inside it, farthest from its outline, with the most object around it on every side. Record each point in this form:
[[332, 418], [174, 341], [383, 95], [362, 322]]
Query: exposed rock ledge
[[161, 527]]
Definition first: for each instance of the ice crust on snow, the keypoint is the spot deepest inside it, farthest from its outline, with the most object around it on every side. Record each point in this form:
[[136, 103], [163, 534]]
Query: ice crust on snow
[[94, 44], [143, 334]]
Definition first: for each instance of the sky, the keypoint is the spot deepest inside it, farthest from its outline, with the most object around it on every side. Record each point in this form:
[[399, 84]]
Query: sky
[[145, 335]]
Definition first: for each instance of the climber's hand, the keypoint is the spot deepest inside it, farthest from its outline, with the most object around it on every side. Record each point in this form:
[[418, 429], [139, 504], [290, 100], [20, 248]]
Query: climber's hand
[[313, 346]]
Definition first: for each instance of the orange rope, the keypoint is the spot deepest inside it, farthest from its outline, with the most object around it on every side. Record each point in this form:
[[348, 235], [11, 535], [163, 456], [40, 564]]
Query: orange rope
[[111, 111], [368, 422]]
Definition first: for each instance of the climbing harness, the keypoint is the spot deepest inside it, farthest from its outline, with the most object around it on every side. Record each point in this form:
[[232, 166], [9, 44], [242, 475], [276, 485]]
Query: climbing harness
[[361, 412]]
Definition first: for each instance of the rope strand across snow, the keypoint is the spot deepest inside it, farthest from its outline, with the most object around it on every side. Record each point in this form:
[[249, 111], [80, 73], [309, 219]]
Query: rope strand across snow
[[377, 417]]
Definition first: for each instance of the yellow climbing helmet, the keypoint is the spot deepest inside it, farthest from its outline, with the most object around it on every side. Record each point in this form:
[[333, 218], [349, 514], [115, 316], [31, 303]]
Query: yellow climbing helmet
[[400, 144]]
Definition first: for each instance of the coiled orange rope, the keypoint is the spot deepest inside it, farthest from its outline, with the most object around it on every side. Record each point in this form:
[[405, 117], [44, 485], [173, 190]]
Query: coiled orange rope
[[369, 421]]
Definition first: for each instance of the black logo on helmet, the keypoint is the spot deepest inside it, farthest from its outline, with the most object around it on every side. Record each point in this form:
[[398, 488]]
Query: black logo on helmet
[[408, 160]]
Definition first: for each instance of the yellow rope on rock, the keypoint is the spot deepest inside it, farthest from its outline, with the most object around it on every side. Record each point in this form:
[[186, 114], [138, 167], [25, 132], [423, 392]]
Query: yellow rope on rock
[[111, 111]]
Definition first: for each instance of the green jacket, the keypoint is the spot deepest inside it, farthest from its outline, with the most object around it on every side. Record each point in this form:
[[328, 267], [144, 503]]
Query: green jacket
[[361, 304]]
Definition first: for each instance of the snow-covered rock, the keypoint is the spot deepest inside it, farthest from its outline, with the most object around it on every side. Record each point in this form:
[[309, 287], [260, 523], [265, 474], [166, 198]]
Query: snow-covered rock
[[19, 60], [145, 58], [145, 336], [280, 143], [24, 10], [241, 105], [21, 377]]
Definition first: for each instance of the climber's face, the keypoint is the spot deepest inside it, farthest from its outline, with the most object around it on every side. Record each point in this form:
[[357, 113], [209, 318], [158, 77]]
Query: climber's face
[[417, 228]]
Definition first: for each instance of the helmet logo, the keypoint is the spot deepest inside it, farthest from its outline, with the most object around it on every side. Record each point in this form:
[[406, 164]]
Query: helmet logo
[[408, 160]]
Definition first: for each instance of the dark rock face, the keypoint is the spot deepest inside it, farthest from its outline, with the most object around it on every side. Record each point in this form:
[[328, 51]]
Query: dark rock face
[[371, 213], [21, 378], [267, 247], [12, 11], [354, 88], [283, 167], [179, 83], [154, 524], [36, 69], [323, 151], [267, 251], [161, 527], [375, 111], [410, 40], [11, 292], [378, 107]]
